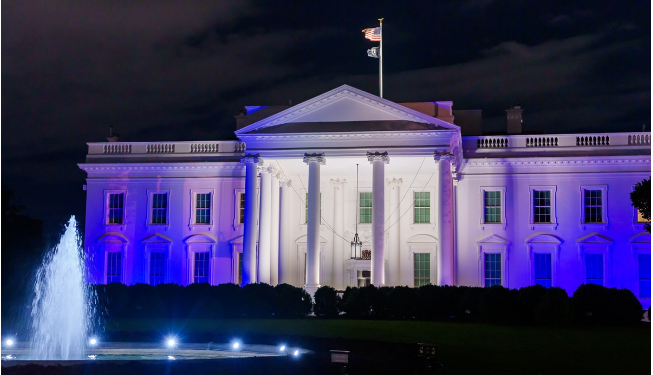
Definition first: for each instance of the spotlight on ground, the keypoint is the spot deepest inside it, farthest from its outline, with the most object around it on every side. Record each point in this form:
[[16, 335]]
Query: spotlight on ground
[[295, 353], [9, 342], [235, 345], [171, 342], [282, 348], [93, 341]]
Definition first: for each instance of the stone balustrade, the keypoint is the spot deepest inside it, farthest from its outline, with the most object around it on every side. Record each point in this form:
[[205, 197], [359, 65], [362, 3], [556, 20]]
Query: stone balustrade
[[166, 148], [595, 140]]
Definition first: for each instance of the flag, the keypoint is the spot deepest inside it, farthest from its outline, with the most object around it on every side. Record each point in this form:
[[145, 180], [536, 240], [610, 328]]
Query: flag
[[373, 52], [373, 34]]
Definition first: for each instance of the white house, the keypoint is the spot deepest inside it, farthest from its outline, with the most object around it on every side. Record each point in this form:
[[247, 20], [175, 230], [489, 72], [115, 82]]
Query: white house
[[430, 204]]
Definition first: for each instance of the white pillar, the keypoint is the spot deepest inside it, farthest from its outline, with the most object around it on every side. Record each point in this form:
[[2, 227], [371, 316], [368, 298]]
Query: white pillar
[[445, 219], [274, 231], [378, 160], [338, 261], [264, 219], [249, 233], [285, 256], [394, 268], [313, 222]]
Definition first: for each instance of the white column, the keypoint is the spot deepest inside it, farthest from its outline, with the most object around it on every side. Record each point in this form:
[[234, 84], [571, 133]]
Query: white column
[[264, 219], [313, 222], [378, 160], [394, 268], [274, 231], [338, 261], [249, 233], [445, 219], [285, 256]]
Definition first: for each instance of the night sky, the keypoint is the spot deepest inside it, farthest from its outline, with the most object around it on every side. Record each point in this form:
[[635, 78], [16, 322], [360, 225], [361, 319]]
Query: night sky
[[180, 70]]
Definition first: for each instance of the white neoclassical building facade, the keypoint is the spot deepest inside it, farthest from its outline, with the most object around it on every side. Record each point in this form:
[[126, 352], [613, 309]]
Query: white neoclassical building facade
[[428, 202]]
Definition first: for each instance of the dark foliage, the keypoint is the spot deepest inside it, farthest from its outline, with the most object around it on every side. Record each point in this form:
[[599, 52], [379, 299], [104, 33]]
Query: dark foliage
[[528, 299], [497, 304], [596, 304], [554, 308], [259, 300], [641, 199], [401, 300], [292, 301], [327, 302]]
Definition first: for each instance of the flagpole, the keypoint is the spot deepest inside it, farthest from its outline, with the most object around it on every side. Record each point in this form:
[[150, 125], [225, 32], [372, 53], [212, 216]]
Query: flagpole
[[381, 57]]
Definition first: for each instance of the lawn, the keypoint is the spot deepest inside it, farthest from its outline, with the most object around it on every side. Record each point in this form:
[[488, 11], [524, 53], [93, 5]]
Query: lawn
[[463, 348]]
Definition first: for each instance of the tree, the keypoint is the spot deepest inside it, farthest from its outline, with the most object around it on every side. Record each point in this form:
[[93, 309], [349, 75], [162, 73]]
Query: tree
[[641, 199]]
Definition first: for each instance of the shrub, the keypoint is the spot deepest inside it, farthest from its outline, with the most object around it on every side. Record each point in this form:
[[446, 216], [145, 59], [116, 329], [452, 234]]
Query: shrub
[[228, 300], [623, 307], [470, 302], [588, 303], [497, 304], [259, 300], [354, 303], [554, 308], [401, 301], [327, 302], [528, 299], [291, 301]]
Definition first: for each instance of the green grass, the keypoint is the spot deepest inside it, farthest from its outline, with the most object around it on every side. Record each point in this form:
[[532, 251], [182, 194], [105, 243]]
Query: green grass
[[463, 348]]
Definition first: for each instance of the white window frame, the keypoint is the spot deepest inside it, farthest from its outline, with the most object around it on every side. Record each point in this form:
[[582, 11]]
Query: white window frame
[[192, 225], [554, 220], [503, 223], [150, 202], [604, 207], [107, 194], [193, 249], [358, 205], [493, 245], [595, 243], [148, 261], [430, 190], [114, 249], [639, 244], [543, 243], [237, 223], [157, 243]]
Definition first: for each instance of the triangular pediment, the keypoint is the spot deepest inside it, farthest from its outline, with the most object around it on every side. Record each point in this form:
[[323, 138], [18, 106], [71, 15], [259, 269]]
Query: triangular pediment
[[346, 104], [493, 239], [594, 238], [157, 238], [113, 237], [201, 238]]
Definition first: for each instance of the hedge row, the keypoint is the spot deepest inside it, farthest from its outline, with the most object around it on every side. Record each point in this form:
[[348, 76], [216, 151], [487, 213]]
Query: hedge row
[[590, 304]]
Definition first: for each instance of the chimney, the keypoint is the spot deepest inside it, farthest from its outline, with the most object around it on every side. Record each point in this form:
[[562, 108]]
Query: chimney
[[514, 119], [444, 111], [113, 137]]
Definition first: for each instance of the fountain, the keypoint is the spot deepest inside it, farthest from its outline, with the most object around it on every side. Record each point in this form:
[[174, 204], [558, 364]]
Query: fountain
[[62, 304], [63, 310]]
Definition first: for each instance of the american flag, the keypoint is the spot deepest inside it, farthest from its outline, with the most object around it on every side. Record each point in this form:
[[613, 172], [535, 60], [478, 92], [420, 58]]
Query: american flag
[[373, 34]]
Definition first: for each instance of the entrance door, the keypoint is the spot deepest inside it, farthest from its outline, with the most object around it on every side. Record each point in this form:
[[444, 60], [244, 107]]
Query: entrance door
[[364, 278]]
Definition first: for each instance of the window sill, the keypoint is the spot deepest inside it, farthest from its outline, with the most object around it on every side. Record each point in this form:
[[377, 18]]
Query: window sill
[[593, 226], [120, 227], [493, 225], [639, 227], [200, 227], [158, 226], [552, 226]]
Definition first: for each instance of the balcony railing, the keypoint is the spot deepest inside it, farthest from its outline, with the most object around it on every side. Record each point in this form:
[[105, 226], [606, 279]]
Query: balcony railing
[[162, 148], [598, 140]]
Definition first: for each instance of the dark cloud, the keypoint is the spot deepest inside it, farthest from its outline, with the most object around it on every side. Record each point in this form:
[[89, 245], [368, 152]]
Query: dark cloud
[[180, 69]]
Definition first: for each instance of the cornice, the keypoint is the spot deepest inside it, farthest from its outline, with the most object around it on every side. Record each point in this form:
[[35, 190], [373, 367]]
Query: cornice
[[159, 167], [609, 161], [388, 134]]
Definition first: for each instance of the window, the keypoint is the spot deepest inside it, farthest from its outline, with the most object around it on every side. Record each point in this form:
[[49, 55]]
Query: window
[[640, 217], [422, 269], [114, 267], [542, 269], [241, 208], [594, 269], [644, 261], [116, 208], [365, 208], [240, 269], [541, 206], [492, 269], [306, 210], [422, 201], [201, 267], [492, 203], [157, 267], [593, 206], [159, 208], [203, 208]]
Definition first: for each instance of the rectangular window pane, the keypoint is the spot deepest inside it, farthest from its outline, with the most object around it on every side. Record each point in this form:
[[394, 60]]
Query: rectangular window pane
[[157, 267], [492, 203], [593, 206], [203, 209], [365, 208], [542, 206], [422, 269], [542, 268], [594, 269], [422, 207], [201, 272], [240, 268], [114, 267], [306, 216], [492, 269], [116, 206], [159, 208], [241, 208], [644, 266]]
